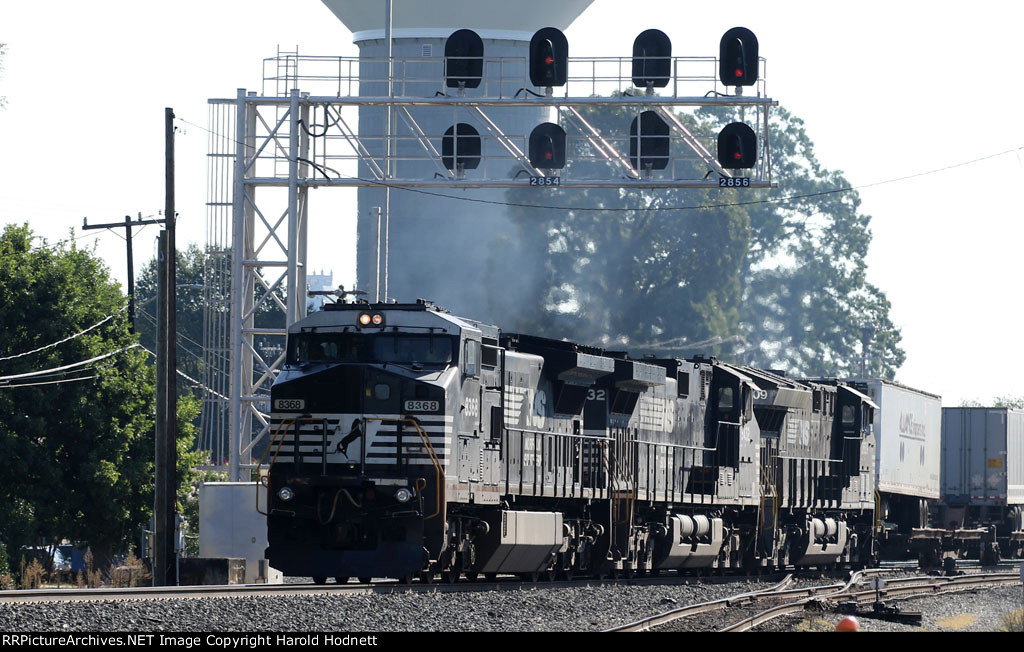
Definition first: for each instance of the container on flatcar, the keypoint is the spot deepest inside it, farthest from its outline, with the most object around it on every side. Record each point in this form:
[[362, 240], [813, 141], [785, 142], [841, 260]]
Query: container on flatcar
[[983, 456]]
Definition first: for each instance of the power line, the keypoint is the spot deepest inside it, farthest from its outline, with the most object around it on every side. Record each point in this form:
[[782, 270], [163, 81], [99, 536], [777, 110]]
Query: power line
[[66, 339], [190, 379], [51, 382], [152, 320], [771, 200], [42, 372]]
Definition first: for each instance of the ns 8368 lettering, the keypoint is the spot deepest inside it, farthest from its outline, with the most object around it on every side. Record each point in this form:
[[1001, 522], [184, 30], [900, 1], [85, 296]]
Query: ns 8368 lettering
[[422, 406]]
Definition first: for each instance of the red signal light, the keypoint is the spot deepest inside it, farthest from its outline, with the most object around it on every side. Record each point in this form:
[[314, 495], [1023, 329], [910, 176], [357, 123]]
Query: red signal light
[[548, 156], [549, 60], [737, 155], [739, 73]]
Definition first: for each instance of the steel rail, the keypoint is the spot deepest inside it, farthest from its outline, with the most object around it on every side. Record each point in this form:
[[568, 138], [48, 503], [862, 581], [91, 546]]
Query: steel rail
[[508, 583], [646, 624], [923, 587]]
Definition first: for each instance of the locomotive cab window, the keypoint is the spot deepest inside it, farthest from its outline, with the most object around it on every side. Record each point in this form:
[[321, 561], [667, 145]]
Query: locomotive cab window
[[849, 415], [726, 400], [488, 352], [472, 358], [683, 388], [401, 348]]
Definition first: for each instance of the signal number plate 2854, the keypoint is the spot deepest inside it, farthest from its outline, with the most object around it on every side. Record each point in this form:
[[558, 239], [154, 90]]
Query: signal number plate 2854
[[422, 406]]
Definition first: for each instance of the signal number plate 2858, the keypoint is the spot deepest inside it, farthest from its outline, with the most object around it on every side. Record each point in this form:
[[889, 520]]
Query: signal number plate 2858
[[422, 406]]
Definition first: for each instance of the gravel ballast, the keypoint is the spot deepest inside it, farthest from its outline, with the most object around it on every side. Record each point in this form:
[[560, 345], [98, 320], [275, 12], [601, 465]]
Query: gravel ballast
[[587, 608]]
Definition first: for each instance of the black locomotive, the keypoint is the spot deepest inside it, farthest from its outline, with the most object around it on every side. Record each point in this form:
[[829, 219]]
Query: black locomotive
[[410, 442]]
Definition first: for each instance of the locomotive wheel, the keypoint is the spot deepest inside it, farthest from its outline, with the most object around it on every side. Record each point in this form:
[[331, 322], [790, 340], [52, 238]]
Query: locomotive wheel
[[490, 577], [550, 575], [427, 577], [406, 579], [471, 576], [450, 576], [319, 579], [566, 574], [530, 577], [341, 579], [364, 580]]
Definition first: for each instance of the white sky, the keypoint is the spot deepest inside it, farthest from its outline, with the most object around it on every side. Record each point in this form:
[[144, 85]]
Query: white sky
[[917, 86]]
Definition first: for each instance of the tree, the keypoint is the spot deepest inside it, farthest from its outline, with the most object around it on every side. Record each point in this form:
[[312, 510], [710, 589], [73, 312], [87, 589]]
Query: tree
[[752, 277], [807, 305], [76, 446], [634, 276]]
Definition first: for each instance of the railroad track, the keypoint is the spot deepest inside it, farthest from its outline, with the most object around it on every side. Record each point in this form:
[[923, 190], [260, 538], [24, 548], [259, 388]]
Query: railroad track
[[796, 600], [896, 588], [780, 590], [383, 586]]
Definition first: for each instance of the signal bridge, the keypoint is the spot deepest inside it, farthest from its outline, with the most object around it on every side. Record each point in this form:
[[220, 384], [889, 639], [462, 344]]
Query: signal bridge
[[436, 122]]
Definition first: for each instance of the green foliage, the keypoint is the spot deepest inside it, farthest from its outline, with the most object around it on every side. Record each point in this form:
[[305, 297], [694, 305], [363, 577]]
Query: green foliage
[[776, 284], [77, 457], [807, 304]]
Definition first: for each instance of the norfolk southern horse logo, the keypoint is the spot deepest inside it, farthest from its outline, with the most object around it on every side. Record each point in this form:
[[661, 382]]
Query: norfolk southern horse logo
[[356, 432]]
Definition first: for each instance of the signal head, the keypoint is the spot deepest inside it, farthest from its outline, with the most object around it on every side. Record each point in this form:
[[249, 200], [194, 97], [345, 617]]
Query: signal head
[[549, 58], [547, 147], [652, 59], [738, 58], [464, 59], [737, 146]]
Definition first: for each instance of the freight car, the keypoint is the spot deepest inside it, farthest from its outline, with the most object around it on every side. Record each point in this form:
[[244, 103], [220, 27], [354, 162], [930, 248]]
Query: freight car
[[908, 433], [411, 442], [983, 478]]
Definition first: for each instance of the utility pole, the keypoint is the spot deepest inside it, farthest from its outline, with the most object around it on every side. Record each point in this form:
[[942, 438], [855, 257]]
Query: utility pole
[[166, 458], [127, 226], [867, 331]]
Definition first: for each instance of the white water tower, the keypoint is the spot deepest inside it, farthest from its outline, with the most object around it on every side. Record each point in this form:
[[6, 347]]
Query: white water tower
[[440, 249]]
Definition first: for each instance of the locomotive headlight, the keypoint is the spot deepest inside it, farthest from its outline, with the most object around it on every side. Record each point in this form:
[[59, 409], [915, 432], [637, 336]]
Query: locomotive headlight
[[364, 319], [285, 493], [403, 495], [377, 319]]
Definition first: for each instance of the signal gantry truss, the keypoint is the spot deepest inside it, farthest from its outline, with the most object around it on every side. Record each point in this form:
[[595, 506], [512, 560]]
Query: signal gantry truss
[[268, 150]]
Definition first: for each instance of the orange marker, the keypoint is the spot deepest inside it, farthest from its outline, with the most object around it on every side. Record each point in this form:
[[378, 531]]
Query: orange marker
[[848, 624]]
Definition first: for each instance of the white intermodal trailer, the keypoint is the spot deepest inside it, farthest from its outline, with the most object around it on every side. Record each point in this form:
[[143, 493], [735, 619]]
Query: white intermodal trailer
[[983, 471], [908, 437]]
